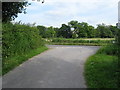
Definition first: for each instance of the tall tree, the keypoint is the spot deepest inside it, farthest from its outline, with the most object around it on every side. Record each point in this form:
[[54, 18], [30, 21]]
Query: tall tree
[[104, 31], [10, 10], [91, 32], [82, 28], [73, 24], [114, 30], [65, 31]]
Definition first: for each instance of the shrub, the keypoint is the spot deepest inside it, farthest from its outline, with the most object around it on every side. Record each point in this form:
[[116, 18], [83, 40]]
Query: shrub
[[19, 39], [109, 50]]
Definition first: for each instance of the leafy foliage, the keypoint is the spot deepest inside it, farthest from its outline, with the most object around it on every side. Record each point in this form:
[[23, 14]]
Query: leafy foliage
[[75, 29], [19, 39], [46, 32], [50, 33], [10, 13], [109, 50], [65, 31], [42, 31], [104, 31]]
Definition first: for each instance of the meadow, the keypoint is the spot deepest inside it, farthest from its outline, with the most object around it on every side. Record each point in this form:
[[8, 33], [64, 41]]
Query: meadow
[[80, 41]]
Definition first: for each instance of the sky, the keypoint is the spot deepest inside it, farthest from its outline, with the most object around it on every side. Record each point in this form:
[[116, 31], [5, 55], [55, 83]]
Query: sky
[[57, 12]]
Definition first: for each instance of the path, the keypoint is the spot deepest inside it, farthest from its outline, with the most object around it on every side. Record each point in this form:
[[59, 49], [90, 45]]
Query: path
[[60, 67]]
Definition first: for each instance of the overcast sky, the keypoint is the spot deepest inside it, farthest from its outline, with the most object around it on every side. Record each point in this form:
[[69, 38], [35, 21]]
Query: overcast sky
[[56, 12]]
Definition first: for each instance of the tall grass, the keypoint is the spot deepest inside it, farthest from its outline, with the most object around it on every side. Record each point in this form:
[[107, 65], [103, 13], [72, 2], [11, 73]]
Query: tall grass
[[81, 41], [109, 50], [101, 69]]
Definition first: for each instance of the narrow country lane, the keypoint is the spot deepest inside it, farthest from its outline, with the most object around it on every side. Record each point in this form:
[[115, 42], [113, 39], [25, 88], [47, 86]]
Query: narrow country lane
[[60, 67]]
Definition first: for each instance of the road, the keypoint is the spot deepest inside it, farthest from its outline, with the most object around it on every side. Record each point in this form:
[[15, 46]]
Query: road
[[59, 67]]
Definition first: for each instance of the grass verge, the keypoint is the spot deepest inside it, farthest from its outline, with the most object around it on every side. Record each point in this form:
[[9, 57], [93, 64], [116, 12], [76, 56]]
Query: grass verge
[[15, 61], [101, 69], [80, 41], [86, 44]]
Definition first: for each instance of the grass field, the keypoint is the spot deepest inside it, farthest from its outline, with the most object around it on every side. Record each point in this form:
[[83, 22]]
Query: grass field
[[80, 41], [93, 39], [15, 61], [101, 69], [85, 44]]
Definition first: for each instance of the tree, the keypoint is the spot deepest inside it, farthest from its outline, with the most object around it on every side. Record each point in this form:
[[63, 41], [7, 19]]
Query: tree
[[56, 32], [50, 33], [65, 31], [81, 30], [10, 10], [91, 32], [74, 35], [104, 31], [114, 30], [73, 24], [42, 31]]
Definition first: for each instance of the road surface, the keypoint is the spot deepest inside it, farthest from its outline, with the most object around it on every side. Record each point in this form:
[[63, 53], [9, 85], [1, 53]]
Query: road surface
[[60, 67]]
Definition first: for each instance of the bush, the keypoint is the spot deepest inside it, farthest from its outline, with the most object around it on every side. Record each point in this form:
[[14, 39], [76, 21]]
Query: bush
[[109, 50], [19, 39]]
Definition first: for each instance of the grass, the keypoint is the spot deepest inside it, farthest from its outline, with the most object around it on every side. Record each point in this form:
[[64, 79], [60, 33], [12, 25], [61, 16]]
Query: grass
[[101, 69], [85, 44], [0, 60], [94, 39], [80, 41], [0, 70], [15, 61]]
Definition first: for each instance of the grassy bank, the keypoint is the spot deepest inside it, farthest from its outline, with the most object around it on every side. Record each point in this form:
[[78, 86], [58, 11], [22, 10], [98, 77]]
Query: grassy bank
[[15, 61], [19, 43], [101, 69], [85, 44], [80, 41]]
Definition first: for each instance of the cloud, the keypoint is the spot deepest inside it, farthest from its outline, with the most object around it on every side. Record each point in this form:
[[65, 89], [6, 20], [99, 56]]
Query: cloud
[[56, 12]]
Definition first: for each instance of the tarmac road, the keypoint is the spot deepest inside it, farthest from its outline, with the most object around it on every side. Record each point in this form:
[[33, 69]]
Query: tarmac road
[[59, 67]]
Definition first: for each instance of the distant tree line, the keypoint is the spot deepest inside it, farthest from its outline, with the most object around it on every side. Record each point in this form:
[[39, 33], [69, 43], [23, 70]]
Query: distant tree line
[[75, 29]]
